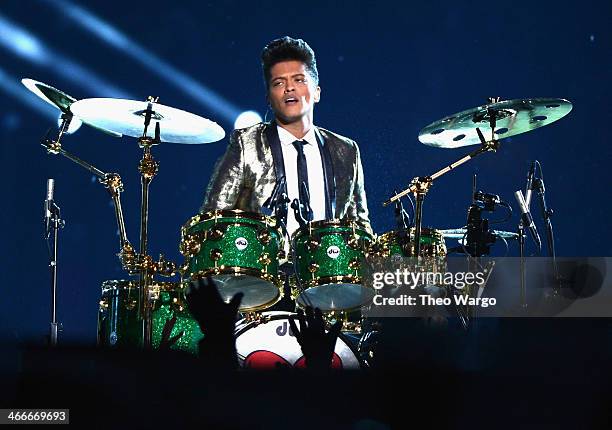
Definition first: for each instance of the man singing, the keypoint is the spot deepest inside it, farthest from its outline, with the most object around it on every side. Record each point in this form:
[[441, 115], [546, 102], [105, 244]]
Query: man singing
[[321, 169]]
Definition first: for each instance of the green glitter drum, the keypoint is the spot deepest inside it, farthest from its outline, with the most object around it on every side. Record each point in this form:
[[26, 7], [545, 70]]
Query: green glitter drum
[[240, 251], [402, 244], [329, 257], [120, 326]]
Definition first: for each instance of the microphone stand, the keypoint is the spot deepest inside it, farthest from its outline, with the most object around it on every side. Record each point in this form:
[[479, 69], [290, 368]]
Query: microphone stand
[[521, 243], [55, 224], [538, 186]]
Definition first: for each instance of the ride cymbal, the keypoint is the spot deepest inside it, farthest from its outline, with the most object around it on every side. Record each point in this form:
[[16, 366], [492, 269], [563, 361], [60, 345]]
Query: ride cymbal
[[511, 117], [128, 116]]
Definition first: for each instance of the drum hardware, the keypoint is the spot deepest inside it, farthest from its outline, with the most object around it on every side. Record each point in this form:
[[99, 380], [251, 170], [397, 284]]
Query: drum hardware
[[504, 118], [263, 236], [216, 255], [125, 117], [53, 222], [547, 213]]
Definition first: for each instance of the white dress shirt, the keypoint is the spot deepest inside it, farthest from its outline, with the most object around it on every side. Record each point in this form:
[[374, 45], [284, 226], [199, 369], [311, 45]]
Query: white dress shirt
[[316, 182]]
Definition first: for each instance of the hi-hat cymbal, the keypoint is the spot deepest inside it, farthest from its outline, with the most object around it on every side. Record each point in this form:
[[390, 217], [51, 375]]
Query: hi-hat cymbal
[[459, 233], [512, 117], [128, 116]]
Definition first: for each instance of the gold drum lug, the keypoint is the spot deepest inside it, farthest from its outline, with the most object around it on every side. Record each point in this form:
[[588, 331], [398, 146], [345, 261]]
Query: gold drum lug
[[216, 254], [312, 245], [264, 237], [264, 259], [313, 267]]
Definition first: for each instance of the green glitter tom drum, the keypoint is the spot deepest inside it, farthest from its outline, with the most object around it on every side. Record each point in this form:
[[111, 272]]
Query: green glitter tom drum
[[240, 251], [401, 243], [120, 326], [329, 257]]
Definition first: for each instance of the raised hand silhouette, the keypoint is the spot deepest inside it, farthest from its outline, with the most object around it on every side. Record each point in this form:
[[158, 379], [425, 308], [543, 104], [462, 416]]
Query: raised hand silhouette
[[166, 341], [217, 321], [317, 345]]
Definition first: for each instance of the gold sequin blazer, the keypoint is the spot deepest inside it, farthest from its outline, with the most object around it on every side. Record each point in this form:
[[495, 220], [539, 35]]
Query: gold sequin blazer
[[246, 175]]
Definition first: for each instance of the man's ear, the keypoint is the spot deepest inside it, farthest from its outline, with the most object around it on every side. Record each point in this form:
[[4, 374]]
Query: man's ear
[[317, 95]]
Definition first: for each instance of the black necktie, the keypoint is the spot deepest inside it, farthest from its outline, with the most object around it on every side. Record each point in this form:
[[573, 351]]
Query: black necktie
[[302, 170]]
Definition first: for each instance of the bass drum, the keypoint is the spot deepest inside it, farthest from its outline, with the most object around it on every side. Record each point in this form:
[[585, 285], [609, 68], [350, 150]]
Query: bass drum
[[268, 343]]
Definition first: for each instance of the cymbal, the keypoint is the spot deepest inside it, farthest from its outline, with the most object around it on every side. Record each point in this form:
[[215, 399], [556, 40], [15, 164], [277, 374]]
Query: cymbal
[[56, 98], [51, 95], [458, 233], [127, 117], [512, 117]]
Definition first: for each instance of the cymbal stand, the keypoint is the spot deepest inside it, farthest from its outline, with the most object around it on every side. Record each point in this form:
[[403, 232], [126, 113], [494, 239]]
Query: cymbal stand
[[111, 181], [133, 263], [148, 168], [421, 185]]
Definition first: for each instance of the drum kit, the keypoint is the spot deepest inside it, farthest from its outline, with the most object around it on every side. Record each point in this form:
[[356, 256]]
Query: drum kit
[[244, 251]]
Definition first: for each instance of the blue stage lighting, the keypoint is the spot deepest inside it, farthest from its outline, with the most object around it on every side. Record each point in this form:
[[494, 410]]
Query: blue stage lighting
[[115, 38], [11, 85], [21, 42], [28, 46]]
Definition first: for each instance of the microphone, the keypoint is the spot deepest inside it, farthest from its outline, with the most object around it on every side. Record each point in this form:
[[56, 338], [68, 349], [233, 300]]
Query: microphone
[[529, 186], [308, 214], [488, 200], [272, 201], [48, 206], [297, 212], [527, 219]]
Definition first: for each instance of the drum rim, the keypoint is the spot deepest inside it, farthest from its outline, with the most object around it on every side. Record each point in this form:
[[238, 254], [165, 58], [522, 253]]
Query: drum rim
[[276, 281], [362, 363], [229, 213], [123, 283], [427, 230], [335, 280], [336, 222]]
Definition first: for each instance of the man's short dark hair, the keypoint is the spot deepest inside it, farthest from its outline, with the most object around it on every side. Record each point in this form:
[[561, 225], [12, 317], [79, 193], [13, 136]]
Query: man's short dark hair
[[288, 49]]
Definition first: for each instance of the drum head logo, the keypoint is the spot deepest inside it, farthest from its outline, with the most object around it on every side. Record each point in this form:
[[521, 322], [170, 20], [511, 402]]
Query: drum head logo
[[333, 252], [241, 243]]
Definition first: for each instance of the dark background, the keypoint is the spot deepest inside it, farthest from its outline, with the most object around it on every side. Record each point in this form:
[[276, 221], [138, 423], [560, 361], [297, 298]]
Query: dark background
[[387, 69]]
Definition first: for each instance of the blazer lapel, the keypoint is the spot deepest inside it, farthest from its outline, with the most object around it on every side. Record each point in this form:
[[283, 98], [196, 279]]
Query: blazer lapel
[[271, 135], [328, 177]]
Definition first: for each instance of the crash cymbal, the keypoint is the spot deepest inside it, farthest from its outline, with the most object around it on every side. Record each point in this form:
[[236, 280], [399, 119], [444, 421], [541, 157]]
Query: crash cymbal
[[51, 95], [127, 117], [512, 117], [57, 98], [458, 233]]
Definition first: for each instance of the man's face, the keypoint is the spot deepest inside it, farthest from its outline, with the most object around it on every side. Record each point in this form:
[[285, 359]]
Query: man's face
[[292, 92]]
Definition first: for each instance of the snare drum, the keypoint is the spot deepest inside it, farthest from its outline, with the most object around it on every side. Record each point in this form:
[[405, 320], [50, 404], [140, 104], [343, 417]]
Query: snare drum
[[267, 342], [120, 326], [329, 256], [240, 251]]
